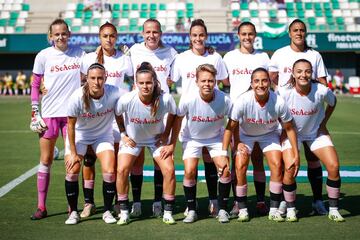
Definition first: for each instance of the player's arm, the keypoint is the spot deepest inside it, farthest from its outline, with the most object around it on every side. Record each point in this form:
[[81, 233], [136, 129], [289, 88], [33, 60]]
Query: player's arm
[[74, 157], [322, 80], [274, 78], [328, 112], [37, 123], [292, 136]]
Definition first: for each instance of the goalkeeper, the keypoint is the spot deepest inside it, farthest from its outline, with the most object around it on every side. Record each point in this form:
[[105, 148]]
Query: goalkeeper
[[59, 67]]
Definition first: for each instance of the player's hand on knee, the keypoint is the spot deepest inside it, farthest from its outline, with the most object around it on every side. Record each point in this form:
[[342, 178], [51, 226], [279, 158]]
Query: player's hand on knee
[[72, 161], [223, 170], [37, 124], [242, 149]]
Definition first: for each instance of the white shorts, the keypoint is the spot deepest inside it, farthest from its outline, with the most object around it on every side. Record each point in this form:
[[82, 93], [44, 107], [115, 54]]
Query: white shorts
[[314, 144], [116, 134], [193, 149], [268, 142], [155, 151], [98, 146]]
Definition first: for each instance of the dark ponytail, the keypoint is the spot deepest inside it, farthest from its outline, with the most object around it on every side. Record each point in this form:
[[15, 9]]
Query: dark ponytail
[[86, 91], [100, 55], [146, 67]]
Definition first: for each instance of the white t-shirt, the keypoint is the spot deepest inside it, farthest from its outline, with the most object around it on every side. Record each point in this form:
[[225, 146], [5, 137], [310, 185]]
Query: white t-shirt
[[240, 67], [255, 120], [97, 122], [61, 72], [185, 68], [308, 111], [116, 68], [204, 121], [283, 59], [160, 59], [140, 125]]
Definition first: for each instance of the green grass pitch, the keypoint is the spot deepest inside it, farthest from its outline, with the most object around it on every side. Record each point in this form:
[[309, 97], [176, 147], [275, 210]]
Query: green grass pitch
[[19, 152]]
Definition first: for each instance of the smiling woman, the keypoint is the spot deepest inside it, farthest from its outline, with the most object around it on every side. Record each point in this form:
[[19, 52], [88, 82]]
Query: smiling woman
[[257, 112], [306, 98], [58, 68]]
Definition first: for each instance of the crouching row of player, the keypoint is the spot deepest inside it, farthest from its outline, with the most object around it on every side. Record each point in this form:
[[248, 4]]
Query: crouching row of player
[[257, 112]]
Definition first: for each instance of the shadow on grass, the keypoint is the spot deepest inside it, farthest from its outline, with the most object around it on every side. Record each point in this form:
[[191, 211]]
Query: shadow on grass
[[303, 205]]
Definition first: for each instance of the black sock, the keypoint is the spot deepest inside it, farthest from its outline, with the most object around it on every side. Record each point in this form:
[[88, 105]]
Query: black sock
[[124, 204], [88, 195], [72, 193], [333, 202], [108, 194], [224, 191], [242, 202], [315, 178], [275, 199], [289, 188], [169, 205], [190, 196], [158, 185], [260, 191], [136, 184], [211, 179]]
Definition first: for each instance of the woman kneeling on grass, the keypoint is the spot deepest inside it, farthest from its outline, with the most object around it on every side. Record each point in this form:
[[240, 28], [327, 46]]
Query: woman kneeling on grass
[[144, 109], [90, 117], [257, 112], [306, 98]]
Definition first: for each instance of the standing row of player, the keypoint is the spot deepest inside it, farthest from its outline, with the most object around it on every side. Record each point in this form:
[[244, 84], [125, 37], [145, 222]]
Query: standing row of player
[[162, 60]]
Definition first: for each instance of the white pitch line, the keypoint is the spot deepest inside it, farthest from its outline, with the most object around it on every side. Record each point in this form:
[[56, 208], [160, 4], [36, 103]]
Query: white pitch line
[[11, 185], [149, 173]]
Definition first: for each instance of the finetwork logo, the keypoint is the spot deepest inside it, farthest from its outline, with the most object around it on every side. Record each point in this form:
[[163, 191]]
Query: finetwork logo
[[3, 42], [311, 40]]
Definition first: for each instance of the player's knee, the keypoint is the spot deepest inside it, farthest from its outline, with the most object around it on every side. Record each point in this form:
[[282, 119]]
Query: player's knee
[[89, 160], [190, 173]]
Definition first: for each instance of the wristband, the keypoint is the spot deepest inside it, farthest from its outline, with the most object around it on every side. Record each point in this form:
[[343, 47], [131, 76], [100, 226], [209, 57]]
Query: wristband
[[123, 134], [223, 153]]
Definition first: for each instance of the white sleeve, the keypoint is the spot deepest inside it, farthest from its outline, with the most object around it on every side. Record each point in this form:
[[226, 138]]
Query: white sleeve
[[129, 71], [321, 70], [228, 106], [175, 71], [273, 64], [266, 61], [85, 64], [330, 97], [121, 104], [221, 69], [171, 105], [74, 106], [237, 110], [39, 64], [183, 108], [284, 112]]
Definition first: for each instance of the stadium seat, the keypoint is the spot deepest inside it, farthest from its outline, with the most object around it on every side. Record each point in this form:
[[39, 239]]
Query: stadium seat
[[125, 7], [235, 13], [354, 85], [80, 7], [144, 7], [153, 7], [162, 6], [116, 7], [244, 6]]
